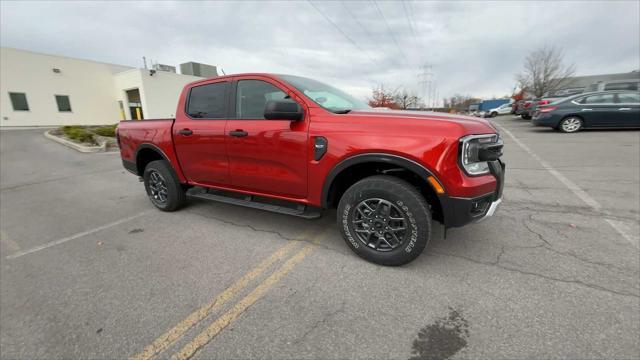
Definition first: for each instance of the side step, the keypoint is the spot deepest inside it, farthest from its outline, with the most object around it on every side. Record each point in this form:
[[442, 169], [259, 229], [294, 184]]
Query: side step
[[255, 202]]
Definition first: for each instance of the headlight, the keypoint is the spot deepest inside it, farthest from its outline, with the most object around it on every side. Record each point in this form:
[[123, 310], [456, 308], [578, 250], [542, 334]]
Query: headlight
[[476, 150]]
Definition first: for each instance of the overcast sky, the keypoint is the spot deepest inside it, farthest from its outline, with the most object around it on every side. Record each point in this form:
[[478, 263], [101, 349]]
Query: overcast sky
[[473, 47]]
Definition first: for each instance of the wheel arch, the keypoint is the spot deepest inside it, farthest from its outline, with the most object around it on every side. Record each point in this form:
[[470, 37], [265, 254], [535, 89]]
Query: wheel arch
[[147, 153], [350, 170]]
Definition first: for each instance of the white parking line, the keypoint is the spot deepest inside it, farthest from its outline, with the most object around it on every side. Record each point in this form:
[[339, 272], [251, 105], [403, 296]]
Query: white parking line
[[73, 237], [595, 205]]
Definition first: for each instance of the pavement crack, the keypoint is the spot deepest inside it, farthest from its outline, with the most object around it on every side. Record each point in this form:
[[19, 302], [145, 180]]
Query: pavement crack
[[273, 232], [541, 276], [322, 321], [249, 226], [539, 235], [17, 186]]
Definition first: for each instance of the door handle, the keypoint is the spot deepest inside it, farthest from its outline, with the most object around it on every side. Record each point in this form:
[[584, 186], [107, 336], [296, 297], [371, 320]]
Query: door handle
[[587, 109], [625, 109], [185, 132], [238, 133]]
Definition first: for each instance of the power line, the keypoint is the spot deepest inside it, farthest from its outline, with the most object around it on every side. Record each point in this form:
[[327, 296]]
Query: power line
[[418, 42], [391, 32], [354, 17], [410, 22], [342, 32]]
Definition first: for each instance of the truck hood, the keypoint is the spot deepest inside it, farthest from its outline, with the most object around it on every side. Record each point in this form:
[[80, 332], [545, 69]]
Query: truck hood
[[471, 124]]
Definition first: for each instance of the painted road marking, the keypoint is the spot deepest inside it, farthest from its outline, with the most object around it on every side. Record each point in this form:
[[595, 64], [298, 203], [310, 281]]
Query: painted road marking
[[76, 236], [586, 198], [174, 334], [228, 317]]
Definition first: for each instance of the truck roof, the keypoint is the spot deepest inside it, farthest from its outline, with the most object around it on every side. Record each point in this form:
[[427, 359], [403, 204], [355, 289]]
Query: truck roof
[[231, 76]]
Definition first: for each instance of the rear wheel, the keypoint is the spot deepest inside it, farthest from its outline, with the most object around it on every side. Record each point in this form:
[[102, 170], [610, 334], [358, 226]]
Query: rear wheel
[[570, 124], [162, 186], [384, 220]]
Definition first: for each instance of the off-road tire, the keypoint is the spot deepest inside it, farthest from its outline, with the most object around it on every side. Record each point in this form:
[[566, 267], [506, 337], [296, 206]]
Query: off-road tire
[[406, 201], [175, 196]]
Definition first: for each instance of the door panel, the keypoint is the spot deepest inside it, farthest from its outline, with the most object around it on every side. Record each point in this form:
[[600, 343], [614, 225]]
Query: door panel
[[199, 135], [268, 156], [271, 158], [599, 110], [629, 109]]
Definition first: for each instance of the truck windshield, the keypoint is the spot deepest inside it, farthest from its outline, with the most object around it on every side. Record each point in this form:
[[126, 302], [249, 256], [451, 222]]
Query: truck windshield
[[328, 97]]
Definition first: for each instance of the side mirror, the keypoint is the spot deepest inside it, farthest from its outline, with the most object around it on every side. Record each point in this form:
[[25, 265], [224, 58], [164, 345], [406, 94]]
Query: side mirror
[[283, 110]]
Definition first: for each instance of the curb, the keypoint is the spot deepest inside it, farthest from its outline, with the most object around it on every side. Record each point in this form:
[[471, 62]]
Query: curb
[[78, 147]]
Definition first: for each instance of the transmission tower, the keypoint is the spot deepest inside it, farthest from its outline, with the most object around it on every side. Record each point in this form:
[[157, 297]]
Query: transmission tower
[[425, 80]]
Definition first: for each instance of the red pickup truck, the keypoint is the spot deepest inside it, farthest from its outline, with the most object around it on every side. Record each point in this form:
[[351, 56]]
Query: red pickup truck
[[297, 146]]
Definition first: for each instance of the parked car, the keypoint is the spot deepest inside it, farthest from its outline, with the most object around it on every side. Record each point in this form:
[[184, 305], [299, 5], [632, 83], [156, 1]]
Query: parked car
[[500, 110], [610, 109], [523, 109], [530, 111], [296, 146]]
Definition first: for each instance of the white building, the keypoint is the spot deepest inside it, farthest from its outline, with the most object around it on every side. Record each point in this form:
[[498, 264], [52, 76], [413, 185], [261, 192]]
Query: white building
[[39, 89]]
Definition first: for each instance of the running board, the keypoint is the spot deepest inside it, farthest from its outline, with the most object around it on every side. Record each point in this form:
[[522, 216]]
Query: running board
[[250, 201]]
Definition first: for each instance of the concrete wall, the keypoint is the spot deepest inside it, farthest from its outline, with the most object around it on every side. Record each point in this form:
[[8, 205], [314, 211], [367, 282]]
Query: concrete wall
[[127, 80], [88, 84], [94, 90]]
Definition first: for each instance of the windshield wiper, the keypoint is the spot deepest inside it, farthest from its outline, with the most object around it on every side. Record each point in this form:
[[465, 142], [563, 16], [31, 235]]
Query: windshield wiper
[[343, 111]]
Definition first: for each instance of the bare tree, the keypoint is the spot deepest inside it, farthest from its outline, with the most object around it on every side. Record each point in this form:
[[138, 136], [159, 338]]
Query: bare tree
[[406, 99], [381, 97], [544, 71], [460, 102]]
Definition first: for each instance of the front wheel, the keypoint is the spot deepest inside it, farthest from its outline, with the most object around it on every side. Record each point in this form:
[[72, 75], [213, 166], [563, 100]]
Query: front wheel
[[494, 114], [384, 220], [570, 125], [162, 186]]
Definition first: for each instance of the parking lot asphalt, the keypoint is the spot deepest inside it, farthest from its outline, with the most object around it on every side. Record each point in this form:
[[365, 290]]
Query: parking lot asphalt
[[89, 269]]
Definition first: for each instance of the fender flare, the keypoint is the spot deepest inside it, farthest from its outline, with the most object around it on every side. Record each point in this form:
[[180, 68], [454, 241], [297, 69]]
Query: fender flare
[[400, 161], [154, 148]]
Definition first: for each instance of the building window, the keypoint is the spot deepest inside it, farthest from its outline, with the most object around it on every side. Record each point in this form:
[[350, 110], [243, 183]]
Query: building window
[[19, 101], [64, 105]]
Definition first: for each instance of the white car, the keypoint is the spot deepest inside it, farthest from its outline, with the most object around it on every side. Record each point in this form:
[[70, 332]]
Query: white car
[[500, 110]]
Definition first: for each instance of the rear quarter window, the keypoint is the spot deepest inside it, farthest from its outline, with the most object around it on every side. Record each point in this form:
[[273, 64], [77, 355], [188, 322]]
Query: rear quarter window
[[208, 101]]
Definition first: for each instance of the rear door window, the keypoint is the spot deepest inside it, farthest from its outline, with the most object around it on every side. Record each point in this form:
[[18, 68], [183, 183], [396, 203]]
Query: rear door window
[[629, 98], [208, 101], [600, 99]]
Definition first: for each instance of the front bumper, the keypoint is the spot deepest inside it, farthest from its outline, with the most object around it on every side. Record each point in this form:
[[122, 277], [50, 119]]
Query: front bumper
[[462, 211]]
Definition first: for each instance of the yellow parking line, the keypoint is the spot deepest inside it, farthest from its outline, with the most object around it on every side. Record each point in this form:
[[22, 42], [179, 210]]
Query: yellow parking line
[[228, 317], [171, 336]]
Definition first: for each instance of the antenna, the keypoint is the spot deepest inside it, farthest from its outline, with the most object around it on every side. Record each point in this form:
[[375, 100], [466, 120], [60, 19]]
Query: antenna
[[223, 73]]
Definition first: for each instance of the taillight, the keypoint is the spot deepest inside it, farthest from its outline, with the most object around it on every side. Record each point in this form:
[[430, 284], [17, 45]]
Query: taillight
[[543, 102], [547, 109]]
